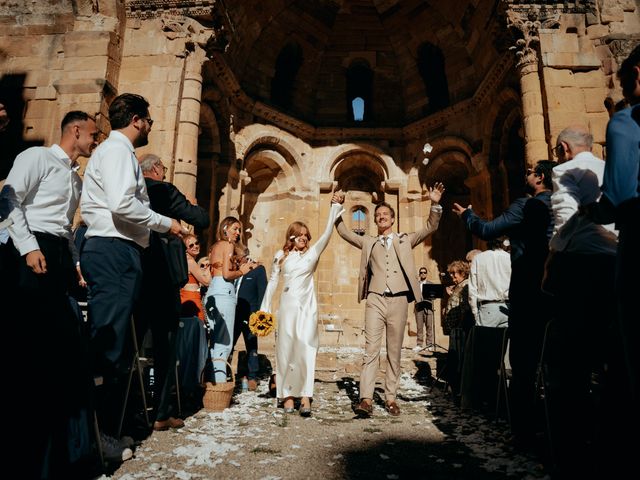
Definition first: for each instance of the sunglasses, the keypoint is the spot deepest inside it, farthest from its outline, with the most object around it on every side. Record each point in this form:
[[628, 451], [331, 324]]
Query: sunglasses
[[191, 245], [423, 273], [204, 265], [558, 150], [149, 121]]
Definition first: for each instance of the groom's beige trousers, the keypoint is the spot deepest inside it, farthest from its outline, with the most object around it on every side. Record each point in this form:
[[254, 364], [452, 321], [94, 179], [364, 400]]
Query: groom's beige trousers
[[390, 312]]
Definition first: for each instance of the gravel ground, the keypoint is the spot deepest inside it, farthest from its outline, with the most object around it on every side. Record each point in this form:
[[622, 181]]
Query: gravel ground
[[255, 439]]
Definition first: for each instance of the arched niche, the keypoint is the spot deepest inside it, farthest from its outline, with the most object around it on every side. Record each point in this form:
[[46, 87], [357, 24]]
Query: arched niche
[[505, 150], [451, 167], [359, 79], [283, 82], [271, 180], [430, 61], [208, 174], [363, 175]]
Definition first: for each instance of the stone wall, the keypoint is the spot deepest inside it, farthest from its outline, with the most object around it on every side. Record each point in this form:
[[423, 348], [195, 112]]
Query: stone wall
[[214, 124]]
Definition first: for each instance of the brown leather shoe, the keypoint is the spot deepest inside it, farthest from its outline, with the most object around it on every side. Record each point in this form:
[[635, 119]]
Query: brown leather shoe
[[253, 385], [393, 408], [161, 425], [364, 408]]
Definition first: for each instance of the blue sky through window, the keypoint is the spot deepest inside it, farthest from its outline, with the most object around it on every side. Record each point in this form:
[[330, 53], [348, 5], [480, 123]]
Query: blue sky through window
[[358, 109]]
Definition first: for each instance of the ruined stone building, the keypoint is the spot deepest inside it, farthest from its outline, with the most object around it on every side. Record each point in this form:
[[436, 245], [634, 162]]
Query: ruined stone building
[[263, 107]]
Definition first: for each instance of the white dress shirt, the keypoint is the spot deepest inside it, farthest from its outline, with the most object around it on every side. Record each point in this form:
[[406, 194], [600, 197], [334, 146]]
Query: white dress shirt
[[386, 240], [575, 183], [114, 200], [489, 278], [42, 193]]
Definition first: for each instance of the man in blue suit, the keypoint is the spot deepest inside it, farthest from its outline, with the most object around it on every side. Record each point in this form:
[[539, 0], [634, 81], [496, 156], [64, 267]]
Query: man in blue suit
[[250, 289], [528, 222]]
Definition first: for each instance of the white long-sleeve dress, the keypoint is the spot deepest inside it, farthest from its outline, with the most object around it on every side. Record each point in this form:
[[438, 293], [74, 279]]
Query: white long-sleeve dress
[[297, 317]]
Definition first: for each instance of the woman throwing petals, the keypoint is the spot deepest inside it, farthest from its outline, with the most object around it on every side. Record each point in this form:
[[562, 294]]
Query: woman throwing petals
[[297, 338], [220, 302]]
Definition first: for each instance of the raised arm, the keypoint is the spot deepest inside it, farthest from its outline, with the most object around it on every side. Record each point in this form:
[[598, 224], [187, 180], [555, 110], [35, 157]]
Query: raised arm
[[431, 226], [323, 241], [265, 306], [501, 225]]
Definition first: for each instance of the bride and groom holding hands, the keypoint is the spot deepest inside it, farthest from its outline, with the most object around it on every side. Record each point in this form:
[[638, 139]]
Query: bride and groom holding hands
[[386, 281]]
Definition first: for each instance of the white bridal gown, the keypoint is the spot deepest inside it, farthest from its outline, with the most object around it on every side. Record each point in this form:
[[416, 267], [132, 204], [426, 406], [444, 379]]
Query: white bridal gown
[[297, 317]]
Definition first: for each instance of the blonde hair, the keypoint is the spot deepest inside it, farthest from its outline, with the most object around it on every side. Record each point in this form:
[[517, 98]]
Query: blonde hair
[[459, 266], [221, 234], [238, 247]]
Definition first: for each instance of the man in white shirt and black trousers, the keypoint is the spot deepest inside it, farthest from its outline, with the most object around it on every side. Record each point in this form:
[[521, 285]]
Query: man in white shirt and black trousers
[[489, 279], [39, 200], [580, 275], [115, 207]]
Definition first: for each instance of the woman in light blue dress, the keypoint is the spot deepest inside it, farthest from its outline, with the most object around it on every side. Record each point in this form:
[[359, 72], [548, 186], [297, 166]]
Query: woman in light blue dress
[[220, 300]]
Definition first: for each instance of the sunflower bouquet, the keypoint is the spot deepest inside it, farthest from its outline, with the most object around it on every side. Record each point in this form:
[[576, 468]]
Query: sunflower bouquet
[[262, 323]]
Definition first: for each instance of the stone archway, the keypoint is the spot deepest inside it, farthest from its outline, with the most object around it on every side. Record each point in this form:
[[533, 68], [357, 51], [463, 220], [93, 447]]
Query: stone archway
[[451, 166], [271, 193]]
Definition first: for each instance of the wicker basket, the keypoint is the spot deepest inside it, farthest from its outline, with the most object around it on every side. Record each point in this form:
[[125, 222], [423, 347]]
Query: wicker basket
[[217, 396]]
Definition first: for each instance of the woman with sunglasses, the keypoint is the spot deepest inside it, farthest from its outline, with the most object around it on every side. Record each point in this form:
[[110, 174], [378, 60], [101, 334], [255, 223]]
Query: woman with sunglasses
[[220, 300], [190, 297]]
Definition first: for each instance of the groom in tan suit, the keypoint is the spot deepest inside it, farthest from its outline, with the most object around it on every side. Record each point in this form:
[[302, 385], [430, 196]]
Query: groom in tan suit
[[387, 281]]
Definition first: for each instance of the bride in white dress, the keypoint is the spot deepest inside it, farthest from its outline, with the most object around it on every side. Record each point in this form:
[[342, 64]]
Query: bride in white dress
[[297, 317]]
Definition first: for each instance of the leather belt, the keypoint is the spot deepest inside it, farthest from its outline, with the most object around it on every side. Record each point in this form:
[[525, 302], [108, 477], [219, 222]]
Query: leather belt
[[484, 302], [399, 294]]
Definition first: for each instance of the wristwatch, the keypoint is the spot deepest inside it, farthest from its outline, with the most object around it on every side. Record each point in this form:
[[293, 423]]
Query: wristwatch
[[436, 207]]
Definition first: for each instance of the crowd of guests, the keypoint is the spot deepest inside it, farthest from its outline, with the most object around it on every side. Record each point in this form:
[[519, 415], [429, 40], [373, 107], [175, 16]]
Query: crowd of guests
[[571, 257]]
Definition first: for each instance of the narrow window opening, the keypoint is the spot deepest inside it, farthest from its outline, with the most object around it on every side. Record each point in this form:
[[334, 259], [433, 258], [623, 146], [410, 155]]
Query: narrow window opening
[[358, 109]]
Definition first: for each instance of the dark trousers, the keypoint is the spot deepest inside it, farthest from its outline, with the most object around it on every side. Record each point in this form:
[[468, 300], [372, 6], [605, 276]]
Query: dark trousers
[[627, 271], [578, 346], [250, 342], [158, 310], [481, 364], [48, 378], [113, 272], [528, 317]]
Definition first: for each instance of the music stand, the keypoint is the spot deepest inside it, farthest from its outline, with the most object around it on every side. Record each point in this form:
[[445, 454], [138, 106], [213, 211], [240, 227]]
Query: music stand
[[430, 292]]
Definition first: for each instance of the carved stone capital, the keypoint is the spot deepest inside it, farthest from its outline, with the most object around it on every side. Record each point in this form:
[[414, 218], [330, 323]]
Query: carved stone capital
[[178, 19], [621, 46], [525, 25]]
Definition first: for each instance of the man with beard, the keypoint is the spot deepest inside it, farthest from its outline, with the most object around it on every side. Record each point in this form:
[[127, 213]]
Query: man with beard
[[528, 222], [115, 207]]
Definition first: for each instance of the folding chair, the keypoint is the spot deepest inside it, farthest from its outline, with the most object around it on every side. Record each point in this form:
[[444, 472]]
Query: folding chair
[[504, 376], [137, 366]]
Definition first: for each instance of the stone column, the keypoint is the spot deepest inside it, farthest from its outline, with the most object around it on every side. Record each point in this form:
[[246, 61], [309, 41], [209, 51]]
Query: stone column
[[525, 26], [186, 153]]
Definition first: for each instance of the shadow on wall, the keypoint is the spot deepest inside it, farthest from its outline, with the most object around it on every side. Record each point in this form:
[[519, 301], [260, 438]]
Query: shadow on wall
[[12, 140]]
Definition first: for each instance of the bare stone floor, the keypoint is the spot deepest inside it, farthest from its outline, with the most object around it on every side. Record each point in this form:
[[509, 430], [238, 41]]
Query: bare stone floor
[[254, 439]]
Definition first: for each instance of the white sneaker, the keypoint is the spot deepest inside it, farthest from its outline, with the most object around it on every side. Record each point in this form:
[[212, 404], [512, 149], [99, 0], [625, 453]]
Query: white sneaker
[[113, 451], [417, 348]]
